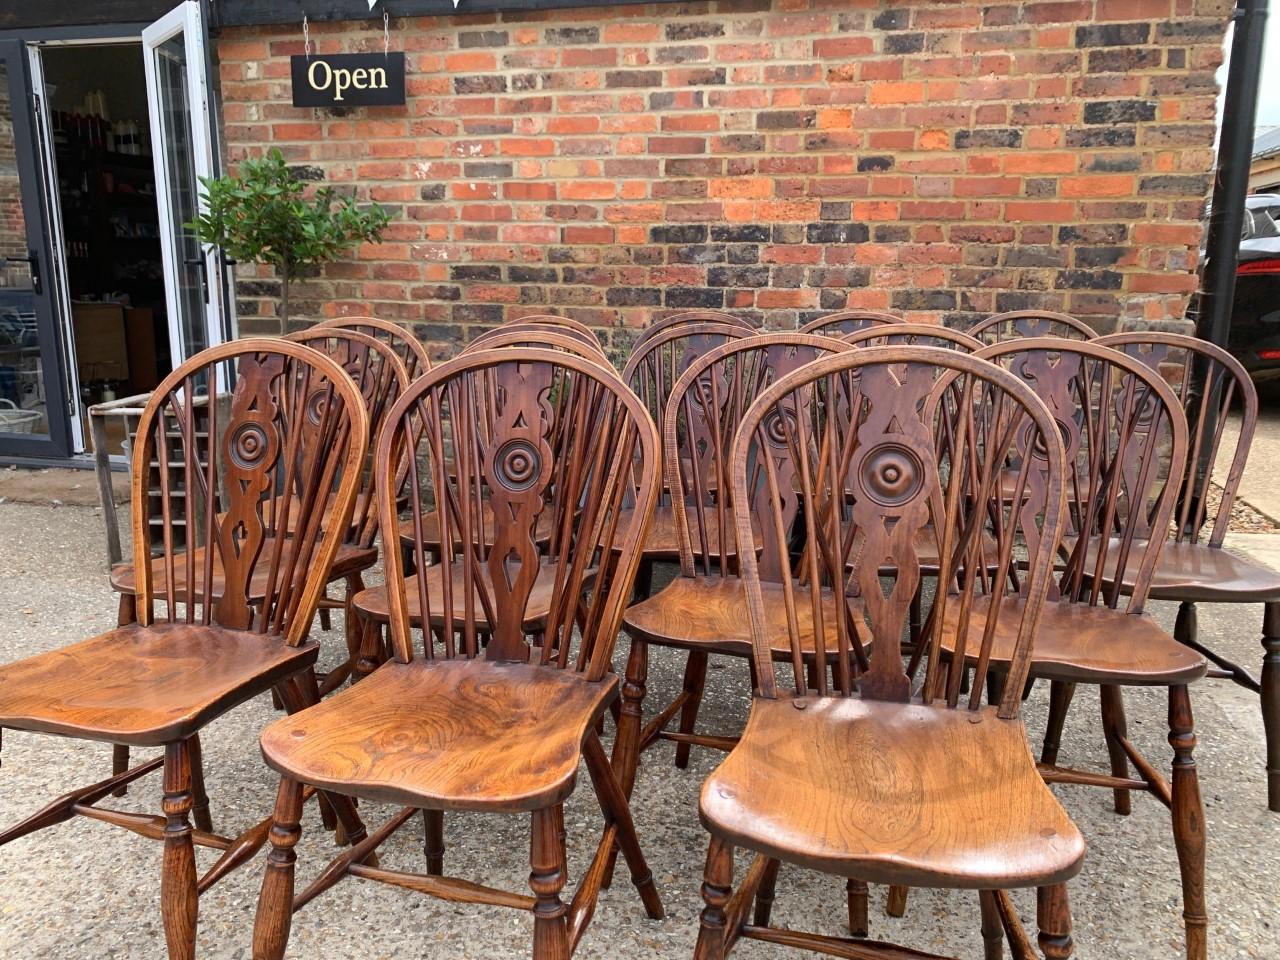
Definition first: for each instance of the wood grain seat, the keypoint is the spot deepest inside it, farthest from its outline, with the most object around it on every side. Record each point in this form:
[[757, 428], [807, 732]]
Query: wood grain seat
[[710, 614], [350, 559], [373, 602], [144, 686], [1083, 644], [663, 540], [431, 528], [446, 734], [883, 803], [1198, 573]]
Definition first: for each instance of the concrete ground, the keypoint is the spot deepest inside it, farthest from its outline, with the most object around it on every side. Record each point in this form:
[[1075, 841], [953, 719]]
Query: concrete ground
[[84, 890]]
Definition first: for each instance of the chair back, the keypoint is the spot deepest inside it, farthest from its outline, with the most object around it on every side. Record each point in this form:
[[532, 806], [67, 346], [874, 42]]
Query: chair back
[[1125, 438], [913, 335], [705, 408], [687, 317], [1207, 380], [408, 347], [523, 429], [563, 323], [539, 334], [848, 321], [262, 442], [861, 429], [1030, 323]]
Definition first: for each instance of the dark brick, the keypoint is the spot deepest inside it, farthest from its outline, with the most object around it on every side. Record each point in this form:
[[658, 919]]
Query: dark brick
[[835, 210], [1094, 233], [679, 233], [1035, 256], [1099, 256], [482, 38], [744, 233], [924, 299], [633, 78], [904, 43], [988, 137], [692, 297], [892, 233], [1088, 280], [1019, 300], [567, 35], [523, 274], [682, 54], [485, 169], [304, 172], [697, 253], [837, 233], [258, 288], [477, 313], [469, 271], [788, 233], [1123, 163], [743, 253], [439, 291], [1178, 134], [633, 297], [874, 164], [1176, 59], [1124, 59], [664, 100], [490, 128], [1119, 111], [1041, 187], [1102, 137], [481, 83], [1113, 35], [840, 276], [1180, 185], [785, 119], [433, 191], [738, 277], [892, 19], [704, 77], [1184, 28], [695, 30]]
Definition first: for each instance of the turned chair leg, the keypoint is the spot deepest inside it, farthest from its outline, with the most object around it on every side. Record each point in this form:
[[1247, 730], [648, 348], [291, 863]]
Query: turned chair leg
[[626, 746], [370, 649], [275, 903], [1271, 700], [895, 905], [855, 893], [1053, 917], [765, 893], [352, 625], [126, 613], [433, 841], [179, 901], [717, 886], [1060, 694], [617, 811], [200, 798], [992, 927], [546, 879], [1115, 728], [695, 676], [1188, 822]]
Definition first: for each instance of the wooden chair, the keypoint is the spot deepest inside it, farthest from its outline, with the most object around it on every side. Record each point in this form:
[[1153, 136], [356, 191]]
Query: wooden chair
[[846, 322], [868, 775], [1195, 568], [1030, 323], [1126, 441], [501, 727], [651, 372], [410, 350], [688, 317], [587, 343], [206, 639], [703, 610], [913, 335], [563, 324]]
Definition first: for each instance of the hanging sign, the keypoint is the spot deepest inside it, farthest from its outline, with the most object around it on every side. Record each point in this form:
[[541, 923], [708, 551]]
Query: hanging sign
[[348, 80]]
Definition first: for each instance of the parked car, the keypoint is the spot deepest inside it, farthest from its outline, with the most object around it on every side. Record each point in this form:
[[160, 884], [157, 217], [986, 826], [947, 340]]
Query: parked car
[[1255, 313]]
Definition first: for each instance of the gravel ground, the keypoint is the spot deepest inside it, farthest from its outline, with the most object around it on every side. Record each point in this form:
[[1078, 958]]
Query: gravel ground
[[83, 890]]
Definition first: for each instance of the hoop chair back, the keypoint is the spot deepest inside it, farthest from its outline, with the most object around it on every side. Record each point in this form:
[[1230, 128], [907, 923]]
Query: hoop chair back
[[706, 406], [536, 334], [1125, 438], [1207, 381], [408, 347], [687, 317], [564, 323], [913, 335], [860, 429], [380, 376], [527, 427], [1030, 323], [848, 321], [281, 451]]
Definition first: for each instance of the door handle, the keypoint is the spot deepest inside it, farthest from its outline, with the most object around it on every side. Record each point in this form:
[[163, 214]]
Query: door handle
[[203, 266], [32, 259]]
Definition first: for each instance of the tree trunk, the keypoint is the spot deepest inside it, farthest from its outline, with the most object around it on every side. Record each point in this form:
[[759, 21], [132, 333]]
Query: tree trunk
[[284, 302]]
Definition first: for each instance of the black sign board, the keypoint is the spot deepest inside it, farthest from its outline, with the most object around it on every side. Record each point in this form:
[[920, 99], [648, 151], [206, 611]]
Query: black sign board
[[348, 80]]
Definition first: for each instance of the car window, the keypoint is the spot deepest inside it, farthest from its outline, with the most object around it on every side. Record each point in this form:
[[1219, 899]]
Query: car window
[[1261, 223]]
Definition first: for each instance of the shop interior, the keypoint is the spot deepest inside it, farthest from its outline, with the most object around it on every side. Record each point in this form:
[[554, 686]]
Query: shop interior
[[111, 227]]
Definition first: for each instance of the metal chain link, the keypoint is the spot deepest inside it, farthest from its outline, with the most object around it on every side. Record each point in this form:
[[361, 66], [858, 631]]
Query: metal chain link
[[306, 37], [386, 34]]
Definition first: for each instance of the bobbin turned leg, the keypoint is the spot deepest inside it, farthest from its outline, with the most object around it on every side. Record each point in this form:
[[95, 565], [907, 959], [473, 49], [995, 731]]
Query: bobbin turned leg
[[1271, 700], [200, 797], [1060, 694], [992, 927], [1053, 917], [433, 841], [765, 893], [126, 613], [1188, 822], [546, 879], [1115, 728], [717, 886], [178, 898], [856, 896], [275, 902], [695, 676]]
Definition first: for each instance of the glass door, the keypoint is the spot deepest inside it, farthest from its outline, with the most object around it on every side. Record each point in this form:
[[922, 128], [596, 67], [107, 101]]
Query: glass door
[[36, 401], [178, 102]]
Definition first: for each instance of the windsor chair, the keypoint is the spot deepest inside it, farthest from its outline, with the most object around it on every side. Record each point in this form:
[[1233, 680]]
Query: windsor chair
[[1126, 441], [408, 347], [449, 723], [687, 317], [1030, 323], [874, 775], [848, 321], [206, 639], [651, 372], [587, 344], [1194, 568], [562, 324]]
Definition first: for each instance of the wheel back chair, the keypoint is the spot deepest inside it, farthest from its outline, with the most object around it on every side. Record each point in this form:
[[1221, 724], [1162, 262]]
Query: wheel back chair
[[408, 347], [562, 325], [1194, 567], [877, 774], [846, 322], [223, 610], [588, 344], [688, 317], [1020, 324], [494, 719]]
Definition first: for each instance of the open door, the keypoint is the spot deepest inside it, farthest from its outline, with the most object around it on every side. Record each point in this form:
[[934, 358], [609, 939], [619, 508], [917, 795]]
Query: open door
[[181, 135], [36, 402]]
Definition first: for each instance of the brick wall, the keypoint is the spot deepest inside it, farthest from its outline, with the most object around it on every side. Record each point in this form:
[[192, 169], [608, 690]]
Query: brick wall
[[940, 159], [13, 226]]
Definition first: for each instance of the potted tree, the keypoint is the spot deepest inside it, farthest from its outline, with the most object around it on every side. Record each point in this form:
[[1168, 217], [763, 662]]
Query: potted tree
[[262, 215]]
